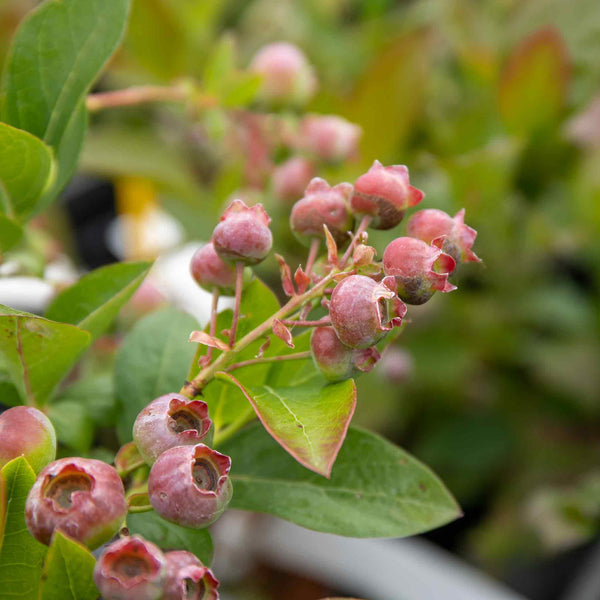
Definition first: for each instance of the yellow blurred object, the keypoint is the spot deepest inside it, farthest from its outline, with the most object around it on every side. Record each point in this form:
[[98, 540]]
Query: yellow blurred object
[[136, 200]]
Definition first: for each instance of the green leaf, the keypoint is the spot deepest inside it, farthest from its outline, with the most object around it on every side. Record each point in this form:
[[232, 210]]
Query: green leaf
[[21, 555], [171, 537], [395, 82], [26, 169], [242, 90], [37, 353], [533, 86], [10, 233], [73, 425], [68, 571], [376, 489], [96, 393], [8, 392], [67, 154], [55, 57], [309, 421], [152, 361], [95, 300], [220, 66]]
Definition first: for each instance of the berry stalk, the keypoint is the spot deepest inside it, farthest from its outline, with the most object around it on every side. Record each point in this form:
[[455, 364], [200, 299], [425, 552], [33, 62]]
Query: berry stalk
[[192, 388]]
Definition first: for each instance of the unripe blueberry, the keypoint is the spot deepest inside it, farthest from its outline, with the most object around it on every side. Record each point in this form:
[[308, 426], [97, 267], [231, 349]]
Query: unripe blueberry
[[450, 234], [323, 205], [188, 578], [131, 569], [329, 138], [210, 271], [26, 431], [384, 193], [171, 420], [418, 270], [82, 497], [190, 485], [335, 360], [291, 178], [286, 75], [362, 311], [243, 234]]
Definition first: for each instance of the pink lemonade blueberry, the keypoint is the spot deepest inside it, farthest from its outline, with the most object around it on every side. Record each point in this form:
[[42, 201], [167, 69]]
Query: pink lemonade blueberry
[[82, 497], [190, 485], [168, 421], [384, 194], [363, 311]]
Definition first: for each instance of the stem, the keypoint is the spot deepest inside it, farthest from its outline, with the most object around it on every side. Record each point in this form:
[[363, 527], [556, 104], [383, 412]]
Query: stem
[[301, 323], [193, 388], [225, 434], [268, 359], [139, 509], [361, 228], [312, 255], [136, 95], [239, 282], [213, 321]]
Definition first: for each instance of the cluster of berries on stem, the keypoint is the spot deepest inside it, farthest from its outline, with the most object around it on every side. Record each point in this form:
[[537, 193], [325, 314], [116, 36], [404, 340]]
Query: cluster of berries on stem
[[172, 467]]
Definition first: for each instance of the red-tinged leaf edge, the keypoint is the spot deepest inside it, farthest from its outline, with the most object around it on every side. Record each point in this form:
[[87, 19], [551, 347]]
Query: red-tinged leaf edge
[[200, 337], [286, 276], [326, 472], [283, 333], [332, 249]]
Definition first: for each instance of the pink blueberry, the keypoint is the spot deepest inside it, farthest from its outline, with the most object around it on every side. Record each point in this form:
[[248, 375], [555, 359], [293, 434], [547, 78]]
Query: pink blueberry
[[243, 234], [363, 311], [82, 497], [168, 421], [131, 569], [190, 485], [323, 205], [416, 269], [27, 431], [384, 194]]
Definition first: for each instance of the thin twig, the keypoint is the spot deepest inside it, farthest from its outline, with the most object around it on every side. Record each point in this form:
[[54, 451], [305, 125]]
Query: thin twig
[[213, 321], [268, 359], [239, 282], [361, 228], [136, 95], [194, 387], [302, 323], [312, 255]]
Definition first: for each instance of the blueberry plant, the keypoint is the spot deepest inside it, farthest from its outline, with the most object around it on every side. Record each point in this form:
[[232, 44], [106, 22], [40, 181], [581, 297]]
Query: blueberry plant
[[262, 419]]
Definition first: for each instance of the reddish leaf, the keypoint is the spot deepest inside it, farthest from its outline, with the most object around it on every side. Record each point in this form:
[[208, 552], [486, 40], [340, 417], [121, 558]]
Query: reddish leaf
[[308, 421], [283, 333], [286, 276], [200, 337], [302, 279], [533, 84], [332, 250]]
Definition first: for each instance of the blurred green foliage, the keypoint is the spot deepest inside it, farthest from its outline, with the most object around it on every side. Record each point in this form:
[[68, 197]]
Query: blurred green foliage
[[488, 103]]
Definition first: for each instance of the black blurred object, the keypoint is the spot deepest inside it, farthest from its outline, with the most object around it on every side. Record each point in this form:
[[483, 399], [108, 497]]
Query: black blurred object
[[90, 206]]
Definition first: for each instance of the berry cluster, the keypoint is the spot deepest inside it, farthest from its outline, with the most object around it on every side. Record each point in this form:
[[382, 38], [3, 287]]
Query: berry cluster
[[171, 466], [367, 299], [185, 480]]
